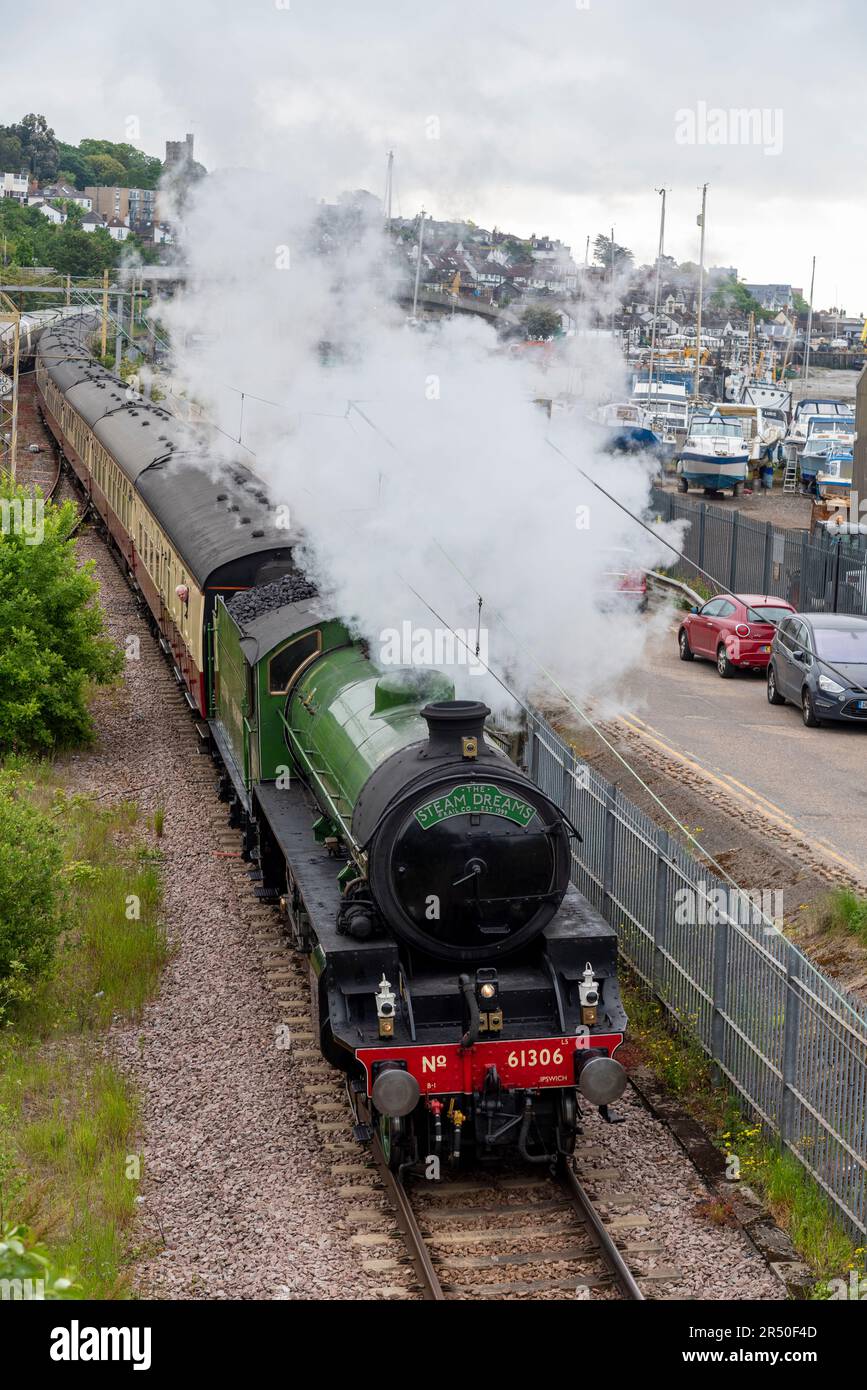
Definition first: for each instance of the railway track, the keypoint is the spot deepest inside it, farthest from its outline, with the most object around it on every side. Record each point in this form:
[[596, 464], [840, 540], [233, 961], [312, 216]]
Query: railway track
[[511, 1234]]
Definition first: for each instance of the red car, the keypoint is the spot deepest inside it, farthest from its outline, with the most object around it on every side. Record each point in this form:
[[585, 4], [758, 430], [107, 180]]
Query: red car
[[734, 630]]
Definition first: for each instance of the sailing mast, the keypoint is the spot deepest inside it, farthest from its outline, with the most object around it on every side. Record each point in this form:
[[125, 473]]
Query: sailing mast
[[809, 324], [389, 177], [661, 192], [418, 262], [700, 219]]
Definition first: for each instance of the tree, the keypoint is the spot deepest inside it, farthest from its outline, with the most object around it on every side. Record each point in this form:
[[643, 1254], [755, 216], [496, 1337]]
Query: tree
[[10, 151], [541, 323], [799, 303], [607, 253], [733, 294], [107, 169], [39, 148], [54, 640]]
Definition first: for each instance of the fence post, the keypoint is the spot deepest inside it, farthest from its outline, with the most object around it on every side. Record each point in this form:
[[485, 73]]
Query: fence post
[[533, 739], [609, 828], [768, 558], [802, 588], [702, 515], [735, 516], [660, 923], [719, 986], [791, 1037]]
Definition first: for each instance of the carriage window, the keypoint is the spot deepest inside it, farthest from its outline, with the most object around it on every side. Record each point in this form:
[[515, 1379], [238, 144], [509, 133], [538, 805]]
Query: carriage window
[[284, 667]]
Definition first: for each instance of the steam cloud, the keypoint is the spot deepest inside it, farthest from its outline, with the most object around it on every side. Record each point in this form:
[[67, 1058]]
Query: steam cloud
[[412, 459]]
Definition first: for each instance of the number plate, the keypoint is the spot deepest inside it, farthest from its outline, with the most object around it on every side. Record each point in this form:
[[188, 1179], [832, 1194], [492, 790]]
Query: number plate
[[764, 649], [450, 1068], [861, 704]]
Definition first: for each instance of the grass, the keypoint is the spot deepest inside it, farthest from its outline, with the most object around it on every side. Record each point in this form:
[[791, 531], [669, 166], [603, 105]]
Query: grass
[[671, 1050], [69, 1168], [841, 913]]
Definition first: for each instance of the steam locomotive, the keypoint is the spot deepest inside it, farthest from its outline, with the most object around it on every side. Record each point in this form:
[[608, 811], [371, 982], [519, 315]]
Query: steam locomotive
[[464, 986]]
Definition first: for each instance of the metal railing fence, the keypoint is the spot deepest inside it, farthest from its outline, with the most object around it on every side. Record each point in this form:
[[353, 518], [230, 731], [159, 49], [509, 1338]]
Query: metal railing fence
[[748, 556], [791, 1043]]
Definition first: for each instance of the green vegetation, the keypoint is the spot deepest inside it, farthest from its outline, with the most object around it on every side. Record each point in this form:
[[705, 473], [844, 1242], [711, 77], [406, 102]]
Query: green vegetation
[[30, 892], [670, 1048], [69, 1168], [54, 640], [25, 1261], [732, 295], [607, 253], [31, 146], [841, 913], [27, 238], [541, 323]]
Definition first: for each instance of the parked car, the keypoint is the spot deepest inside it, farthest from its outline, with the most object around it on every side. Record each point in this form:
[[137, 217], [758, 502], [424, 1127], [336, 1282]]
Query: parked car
[[819, 662], [622, 584], [734, 630]]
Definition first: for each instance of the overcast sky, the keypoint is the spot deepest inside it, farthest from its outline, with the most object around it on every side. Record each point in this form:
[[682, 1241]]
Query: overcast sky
[[545, 116]]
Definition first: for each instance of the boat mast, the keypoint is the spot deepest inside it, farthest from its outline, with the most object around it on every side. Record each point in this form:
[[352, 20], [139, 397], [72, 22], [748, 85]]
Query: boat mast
[[389, 178], [809, 324], [418, 262], [700, 219], [661, 192]]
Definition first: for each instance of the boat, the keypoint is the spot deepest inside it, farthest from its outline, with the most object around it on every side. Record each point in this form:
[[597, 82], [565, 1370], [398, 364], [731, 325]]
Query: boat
[[834, 474], [805, 411], [667, 399], [626, 428], [763, 427], [715, 455], [825, 434]]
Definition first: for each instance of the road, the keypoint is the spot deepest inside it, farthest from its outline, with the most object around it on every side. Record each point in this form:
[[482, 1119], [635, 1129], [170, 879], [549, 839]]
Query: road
[[812, 782]]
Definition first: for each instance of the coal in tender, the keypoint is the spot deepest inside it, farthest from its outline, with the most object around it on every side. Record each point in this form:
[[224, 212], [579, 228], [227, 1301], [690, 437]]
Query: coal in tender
[[252, 603]]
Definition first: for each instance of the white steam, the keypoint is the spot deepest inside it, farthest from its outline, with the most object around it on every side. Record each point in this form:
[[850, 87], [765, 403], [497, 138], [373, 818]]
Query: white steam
[[412, 459]]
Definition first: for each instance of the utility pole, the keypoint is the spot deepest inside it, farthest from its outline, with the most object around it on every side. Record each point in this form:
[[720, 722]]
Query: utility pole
[[389, 179], [68, 290], [701, 221], [104, 340], [418, 262], [661, 192], [118, 336], [612, 280], [9, 313], [809, 323]]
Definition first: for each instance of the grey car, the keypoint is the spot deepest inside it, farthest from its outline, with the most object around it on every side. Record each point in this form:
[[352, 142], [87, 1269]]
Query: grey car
[[819, 662]]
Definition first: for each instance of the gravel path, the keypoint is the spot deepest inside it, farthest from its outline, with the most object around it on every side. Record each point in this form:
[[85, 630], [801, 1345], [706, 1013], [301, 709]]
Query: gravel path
[[718, 1261], [237, 1200]]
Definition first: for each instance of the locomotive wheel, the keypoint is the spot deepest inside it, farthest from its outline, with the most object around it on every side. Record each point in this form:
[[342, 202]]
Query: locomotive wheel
[[567, 1122], [394, 1140]]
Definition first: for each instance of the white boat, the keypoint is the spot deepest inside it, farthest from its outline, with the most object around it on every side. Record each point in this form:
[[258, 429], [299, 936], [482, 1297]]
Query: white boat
[[626, 427], [808, 409], [834, 474], [763, 427], [715, 456], [667, 400], [825, 435]]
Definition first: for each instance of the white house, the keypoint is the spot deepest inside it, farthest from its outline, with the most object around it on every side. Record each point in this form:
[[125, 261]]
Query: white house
[[14, 186], [90, 221], [52, 213], [117, 230]]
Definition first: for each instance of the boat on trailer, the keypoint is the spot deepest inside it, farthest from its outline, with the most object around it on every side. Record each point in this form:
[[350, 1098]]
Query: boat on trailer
[[715, 455]]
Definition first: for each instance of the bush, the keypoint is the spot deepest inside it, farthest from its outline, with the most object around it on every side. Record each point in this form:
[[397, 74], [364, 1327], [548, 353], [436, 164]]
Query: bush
[[53, 639], [26, 1269], [31, 858]]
